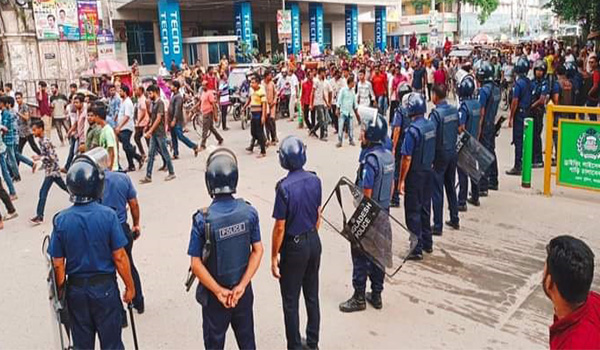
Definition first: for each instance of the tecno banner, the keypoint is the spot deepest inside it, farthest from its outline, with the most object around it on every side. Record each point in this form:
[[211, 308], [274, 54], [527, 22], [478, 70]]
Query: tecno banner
[[351, 28], [380, 28], [243, 22], [315, 16], [171, 41], [296, 45]]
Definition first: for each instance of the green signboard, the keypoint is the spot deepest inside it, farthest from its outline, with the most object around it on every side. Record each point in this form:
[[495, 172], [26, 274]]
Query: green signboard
[[578, 162]]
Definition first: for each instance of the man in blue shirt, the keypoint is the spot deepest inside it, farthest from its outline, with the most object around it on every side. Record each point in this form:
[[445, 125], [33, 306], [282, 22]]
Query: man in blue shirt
[[87, 245], [296, 246], [539, 96], [519, 109], [225, 251], [400, 125], [114, 104]]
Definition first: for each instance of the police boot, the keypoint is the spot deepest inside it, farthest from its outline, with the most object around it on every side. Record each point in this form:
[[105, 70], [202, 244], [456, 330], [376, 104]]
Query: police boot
[[356, 303], [375, 300]]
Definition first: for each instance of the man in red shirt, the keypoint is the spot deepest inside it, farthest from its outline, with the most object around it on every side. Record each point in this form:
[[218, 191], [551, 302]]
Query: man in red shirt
[[305, 98], [44, 107], [380, 89], [413, 41], [568, 275], [593, 97], [447, 46], [439, 76]]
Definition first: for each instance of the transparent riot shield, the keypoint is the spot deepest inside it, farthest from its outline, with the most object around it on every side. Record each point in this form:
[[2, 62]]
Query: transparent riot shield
[[380, 236], [473, 158]]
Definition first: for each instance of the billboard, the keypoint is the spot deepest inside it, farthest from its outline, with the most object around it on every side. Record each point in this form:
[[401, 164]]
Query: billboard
[[296, 45], [315, 16], [243, 24], [44, 15], [578, 161], [380, 28], [284, 25], [169, 19], [87, 13], [351, 28], [68, 26]]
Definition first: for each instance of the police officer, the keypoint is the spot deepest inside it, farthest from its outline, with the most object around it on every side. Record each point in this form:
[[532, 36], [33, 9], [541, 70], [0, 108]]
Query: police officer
[[416, 174], [489, 99], [445, 118], [519, 110], [88, 245], [539, 96], [296, 241], [400, 124], [376, 178], [225, 248], [469, 118]]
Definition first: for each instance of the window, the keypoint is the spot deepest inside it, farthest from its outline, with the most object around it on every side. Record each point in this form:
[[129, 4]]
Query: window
[[216, 51], [403, 10], [327, 36], [419, 9], [140, 43]]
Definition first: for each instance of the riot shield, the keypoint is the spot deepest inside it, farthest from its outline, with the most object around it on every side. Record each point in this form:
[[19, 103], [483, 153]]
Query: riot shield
[[473, 158], [60, 318], [381, 237]]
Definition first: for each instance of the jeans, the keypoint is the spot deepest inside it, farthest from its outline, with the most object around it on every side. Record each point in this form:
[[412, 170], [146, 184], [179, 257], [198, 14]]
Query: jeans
[[345, 120], [11, 161], [5, 198], [321, 124], [257, 132], [271, 129], [21, 157], [393, 106], [73, 145], [29, 139], [59, 124], [138, 299], [224, 109], [125, 139], [299, 267], [417, 207], [382, 104], [176, 135], [158, 144], [208, 125], [6, 175], [309, 116], [444, 173], [139, 134], [46, 185]]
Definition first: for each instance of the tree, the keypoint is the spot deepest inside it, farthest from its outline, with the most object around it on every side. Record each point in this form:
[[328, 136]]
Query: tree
[[576, 10]]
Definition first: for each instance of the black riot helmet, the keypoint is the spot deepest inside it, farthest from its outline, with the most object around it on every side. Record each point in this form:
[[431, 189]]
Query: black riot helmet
[[292, 153], [403, 89], [221, 172], [85, 179], [540, 65], [485, 72]]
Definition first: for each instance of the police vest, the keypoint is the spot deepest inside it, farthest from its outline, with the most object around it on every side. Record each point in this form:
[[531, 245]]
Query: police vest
[[524, 85], [424, 151], [448, 129], [402, 113], [382, 186], [473, 111], [230, 237], [491, 105]]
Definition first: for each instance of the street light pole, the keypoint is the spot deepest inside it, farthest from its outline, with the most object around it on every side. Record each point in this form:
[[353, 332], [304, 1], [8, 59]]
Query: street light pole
[[284, 40]]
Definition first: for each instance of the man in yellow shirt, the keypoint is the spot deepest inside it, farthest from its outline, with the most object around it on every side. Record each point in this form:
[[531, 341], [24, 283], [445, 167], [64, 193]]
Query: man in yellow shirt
[[258, 109]]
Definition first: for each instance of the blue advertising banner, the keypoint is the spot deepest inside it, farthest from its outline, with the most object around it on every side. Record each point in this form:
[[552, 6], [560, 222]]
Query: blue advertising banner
[[380, 28], [315, 15], [352, 28], [243, 22], [296, 44], [171, 41]]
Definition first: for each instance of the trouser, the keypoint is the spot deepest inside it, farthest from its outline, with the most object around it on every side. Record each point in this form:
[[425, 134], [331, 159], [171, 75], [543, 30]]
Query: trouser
[[393, 106], [30, 140], [309, 116], [257, 132], [208, 125], [429, 86], [271, 128], [538, 127], [444, 176], [292, 106], [11, 161], [345, 121], [463, 190], [417, 207], [158, 144], [488, 140], [95, 310], [362, 268], [284, 104], [382, 104], [6, 175], [224, 109], [398, 165], [73, 143], [216, 320], [59, 124], [518, 126], [139, 133], [178, 135], [46, 185], [21, 158], [299, 268], [593, 117], [125, 139], [138, 300], [5, 198], [47, 120], [321, 124]]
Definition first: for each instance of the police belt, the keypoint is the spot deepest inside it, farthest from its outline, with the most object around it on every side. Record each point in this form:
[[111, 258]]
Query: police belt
[[300, 237], [91, 281]]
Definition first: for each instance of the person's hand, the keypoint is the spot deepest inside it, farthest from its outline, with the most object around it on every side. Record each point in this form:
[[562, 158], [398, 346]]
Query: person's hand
[[401, 188], [82, 148], [275, 267], [510, 122], [236, 295], [263, 120], [36, 157], [311, 107], [223, 295], [173, 124], [117, 130], [136, 231], [147, 135], [128, 295]]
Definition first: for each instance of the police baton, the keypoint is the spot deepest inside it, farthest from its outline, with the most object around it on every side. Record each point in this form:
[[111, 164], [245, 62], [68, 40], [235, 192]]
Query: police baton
[[135, 341]]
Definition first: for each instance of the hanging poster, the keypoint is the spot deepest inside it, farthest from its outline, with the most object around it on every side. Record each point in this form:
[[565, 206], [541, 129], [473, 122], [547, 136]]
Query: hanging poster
[[106, 44], [87, 13], [44, 14], [68, 27]]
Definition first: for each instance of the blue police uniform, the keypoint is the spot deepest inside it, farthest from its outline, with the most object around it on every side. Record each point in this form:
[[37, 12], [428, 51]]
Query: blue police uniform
[[539, 88], [522, 92], [469, 116], [234, 227], [445, 118], [297, 201], [118, 191], [489, 99], [402, 121], [86, 235], [419, 144]]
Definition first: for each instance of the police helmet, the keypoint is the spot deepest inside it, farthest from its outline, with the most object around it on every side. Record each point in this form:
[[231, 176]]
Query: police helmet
[[85, 178], [540, 65], [571, 69], [376, 129], [403, 89], [466, 87], [415, 104], [522, 66], [221, 172], [485, 72], [292, 153]]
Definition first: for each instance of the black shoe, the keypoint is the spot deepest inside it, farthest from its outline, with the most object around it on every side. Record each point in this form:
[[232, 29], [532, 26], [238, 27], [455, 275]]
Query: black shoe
[[124, 323], [473, 202], [553, 162], [306, 346], [140, 308], [483, 193], [428, 250], [454, 225], [462, 208], [493, 187], [375, 300], [395, 204], [250, 149], [514, 172], [436, 232], [537, 165], [415, 256], [356, 303], [163, 168]]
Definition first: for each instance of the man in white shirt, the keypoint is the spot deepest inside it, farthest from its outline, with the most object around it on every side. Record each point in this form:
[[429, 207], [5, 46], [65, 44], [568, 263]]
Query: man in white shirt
[[364, 90], [294, 84], [321, 102], [125, 128]]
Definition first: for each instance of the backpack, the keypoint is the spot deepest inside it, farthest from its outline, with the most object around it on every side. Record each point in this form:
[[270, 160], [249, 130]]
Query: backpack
[[566, 89]]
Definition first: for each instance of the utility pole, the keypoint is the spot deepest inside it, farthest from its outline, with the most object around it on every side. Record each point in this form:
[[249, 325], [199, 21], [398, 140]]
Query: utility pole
[[284, 40]]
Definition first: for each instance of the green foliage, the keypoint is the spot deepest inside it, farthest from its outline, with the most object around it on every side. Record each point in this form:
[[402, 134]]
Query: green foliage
[[342, 52], [574, 10], [277, 58]]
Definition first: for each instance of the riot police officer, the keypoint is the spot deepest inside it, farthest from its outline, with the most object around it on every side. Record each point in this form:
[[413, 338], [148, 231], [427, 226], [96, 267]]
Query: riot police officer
[[469, 117], [296, 241], [489, 99], [88, 245], [539, 96], [376, 178], [225, 250], [445, 118], [519, 110], [416, 174], [400, 124]]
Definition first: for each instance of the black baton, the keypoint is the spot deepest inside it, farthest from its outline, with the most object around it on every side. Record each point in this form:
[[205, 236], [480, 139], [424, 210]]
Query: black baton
[[135, 342]]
